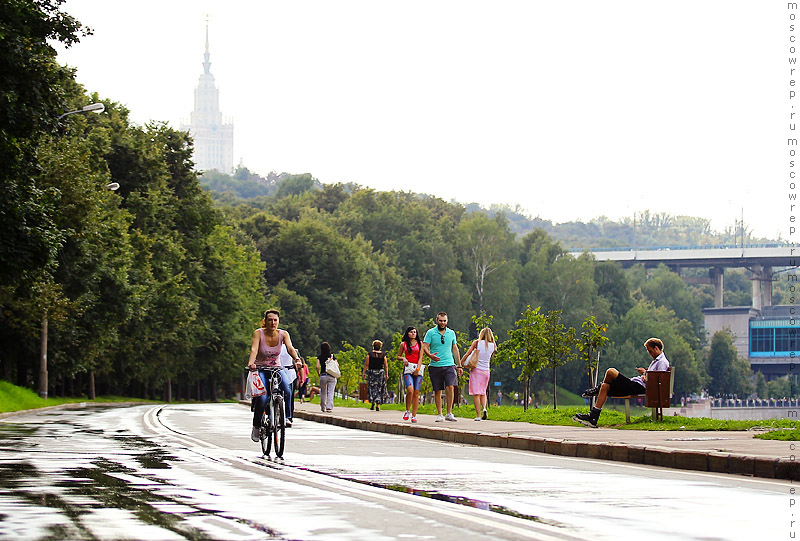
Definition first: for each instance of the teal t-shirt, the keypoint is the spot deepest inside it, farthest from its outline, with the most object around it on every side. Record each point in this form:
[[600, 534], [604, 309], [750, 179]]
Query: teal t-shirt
[[444, 351]]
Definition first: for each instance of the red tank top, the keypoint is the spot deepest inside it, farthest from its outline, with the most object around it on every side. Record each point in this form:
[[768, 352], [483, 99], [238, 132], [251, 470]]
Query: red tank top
[[413, 355]]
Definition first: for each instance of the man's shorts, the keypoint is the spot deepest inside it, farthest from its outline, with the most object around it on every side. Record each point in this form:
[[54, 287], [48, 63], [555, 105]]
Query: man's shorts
[[443, 376], [410, 380], [622, 386]]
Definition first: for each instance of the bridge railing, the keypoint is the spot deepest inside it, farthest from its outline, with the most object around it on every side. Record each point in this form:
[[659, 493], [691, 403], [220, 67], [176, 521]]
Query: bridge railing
[[670, 248]]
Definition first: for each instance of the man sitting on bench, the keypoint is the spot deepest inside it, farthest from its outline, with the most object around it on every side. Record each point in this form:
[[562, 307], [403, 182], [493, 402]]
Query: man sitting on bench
[[615, 384]]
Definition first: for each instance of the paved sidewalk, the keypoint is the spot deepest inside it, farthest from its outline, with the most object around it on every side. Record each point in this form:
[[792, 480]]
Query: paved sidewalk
[[721, 452]]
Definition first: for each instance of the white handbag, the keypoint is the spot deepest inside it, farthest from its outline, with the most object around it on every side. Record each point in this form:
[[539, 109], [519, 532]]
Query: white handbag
[[332, 367]]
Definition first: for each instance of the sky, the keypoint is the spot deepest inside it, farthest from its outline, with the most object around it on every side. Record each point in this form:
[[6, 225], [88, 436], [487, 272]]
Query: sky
[[571, 110]]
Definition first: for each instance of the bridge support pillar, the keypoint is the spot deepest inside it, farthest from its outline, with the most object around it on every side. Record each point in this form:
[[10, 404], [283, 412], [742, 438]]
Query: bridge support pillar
[[762, 286], [766, 288], [756, 287], [716, 274]]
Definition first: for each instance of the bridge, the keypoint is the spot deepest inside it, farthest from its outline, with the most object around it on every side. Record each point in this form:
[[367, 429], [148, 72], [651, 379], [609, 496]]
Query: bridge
[[760, 259]]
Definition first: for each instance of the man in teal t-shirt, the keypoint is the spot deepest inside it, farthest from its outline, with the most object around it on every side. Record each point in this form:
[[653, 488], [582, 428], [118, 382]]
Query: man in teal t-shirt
[[440, 345]]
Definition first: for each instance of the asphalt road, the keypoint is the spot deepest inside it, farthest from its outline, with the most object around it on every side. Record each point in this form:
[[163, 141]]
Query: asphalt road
[[191, 472]]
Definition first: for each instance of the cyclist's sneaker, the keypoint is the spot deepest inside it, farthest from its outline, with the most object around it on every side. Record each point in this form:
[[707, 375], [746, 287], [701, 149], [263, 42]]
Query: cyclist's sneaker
[[594, 391], [254, 434], [485, 414], [439, 419], [450, 417], [405, 415], [288, 423], [414, 419]]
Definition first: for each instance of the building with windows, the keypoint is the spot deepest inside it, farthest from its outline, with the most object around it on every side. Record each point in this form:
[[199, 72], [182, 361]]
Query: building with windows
[[213, 138], [767, 337]]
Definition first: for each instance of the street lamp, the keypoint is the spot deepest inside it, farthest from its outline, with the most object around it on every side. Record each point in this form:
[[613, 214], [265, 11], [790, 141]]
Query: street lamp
[[91, 108]]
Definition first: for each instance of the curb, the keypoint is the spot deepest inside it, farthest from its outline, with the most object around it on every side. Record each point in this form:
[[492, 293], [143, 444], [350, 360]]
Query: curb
[[704, 461]]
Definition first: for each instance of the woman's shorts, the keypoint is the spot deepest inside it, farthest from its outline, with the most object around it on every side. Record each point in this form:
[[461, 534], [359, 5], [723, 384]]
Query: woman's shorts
[[412, 380], [478, 381], [442, 376], [622, 386]]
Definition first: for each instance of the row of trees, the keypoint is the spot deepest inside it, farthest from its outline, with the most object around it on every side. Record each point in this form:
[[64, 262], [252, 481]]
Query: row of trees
[[155, 287], [141, 287]]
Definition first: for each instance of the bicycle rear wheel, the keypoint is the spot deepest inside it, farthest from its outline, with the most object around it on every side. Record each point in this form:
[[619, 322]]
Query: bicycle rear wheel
[[264, 434], [279, 427]]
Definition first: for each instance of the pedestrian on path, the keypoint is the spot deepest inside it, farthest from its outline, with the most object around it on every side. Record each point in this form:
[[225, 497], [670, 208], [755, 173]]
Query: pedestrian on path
[[302, 379], [479, 376], [411, 352], [376, 370], [440, 345], [615, 384], [327, 383]]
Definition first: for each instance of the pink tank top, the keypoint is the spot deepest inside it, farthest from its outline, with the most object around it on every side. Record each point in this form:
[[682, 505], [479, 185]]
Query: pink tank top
[[268, 355]]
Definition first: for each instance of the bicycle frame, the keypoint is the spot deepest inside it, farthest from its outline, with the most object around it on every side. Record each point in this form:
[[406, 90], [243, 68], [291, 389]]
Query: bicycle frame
[[273, 427]]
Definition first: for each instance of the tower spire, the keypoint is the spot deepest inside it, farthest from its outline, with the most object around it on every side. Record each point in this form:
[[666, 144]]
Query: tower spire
[[207, 55]]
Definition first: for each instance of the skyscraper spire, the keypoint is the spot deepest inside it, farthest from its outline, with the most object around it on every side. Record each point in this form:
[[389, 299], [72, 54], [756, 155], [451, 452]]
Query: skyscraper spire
[[213, 138], [207, 55]]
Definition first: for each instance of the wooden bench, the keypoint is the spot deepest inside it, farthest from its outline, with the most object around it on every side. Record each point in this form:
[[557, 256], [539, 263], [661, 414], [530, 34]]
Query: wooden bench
[[657, 394]]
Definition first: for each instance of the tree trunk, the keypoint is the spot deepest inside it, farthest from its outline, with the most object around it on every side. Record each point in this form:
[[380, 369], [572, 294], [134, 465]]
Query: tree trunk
[[555, 393], [169, 390], [525, 392], [91, 385]]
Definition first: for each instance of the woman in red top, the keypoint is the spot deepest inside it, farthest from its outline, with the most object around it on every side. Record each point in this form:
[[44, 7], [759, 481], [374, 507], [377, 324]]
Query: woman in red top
[[410, 352]]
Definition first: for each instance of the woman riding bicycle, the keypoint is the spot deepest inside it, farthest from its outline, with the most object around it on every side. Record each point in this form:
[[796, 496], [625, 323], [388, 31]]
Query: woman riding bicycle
[[264, 353]]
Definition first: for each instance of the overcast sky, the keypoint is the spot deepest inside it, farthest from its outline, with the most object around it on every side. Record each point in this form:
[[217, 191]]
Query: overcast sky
[[570, 109]]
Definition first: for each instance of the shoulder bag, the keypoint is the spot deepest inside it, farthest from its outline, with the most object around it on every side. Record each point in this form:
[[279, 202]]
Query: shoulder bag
[[332, 367]]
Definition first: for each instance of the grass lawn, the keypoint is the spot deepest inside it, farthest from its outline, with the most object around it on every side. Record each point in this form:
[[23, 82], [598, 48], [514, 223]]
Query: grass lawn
[[609, 419], [13, 398]]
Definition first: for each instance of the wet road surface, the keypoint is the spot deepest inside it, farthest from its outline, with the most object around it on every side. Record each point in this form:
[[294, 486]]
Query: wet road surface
[[191, 472]]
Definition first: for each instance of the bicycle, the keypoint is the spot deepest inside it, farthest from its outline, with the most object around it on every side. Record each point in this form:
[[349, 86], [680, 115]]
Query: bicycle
[[273, 422]]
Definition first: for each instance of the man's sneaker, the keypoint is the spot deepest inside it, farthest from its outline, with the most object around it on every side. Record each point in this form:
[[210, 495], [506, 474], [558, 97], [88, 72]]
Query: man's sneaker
[[414, 419], [485, 415], [477, 419], [288, 423], [450, 417], [588, 419], [255, 433], [405, 415], [594, 391], [439, 419]]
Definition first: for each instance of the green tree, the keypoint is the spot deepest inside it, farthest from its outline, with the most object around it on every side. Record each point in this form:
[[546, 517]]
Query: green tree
[[591, 341], [295, 185], [35, 89], [351, 362], [729, 373], [625, 350], [779, 388], [525, 348], [761, 385], [482, 243], [559, 345]]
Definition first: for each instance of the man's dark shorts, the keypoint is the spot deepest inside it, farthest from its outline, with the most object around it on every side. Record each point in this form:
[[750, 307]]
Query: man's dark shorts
[[622, 386], [442, 376]]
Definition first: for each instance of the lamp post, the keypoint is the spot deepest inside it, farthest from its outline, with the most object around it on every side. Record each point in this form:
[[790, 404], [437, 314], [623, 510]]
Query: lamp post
[[92, 108]]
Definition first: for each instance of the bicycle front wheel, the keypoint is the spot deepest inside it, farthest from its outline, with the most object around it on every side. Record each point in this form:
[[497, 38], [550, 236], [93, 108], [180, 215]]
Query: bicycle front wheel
[[265, 434], [279, 427]]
